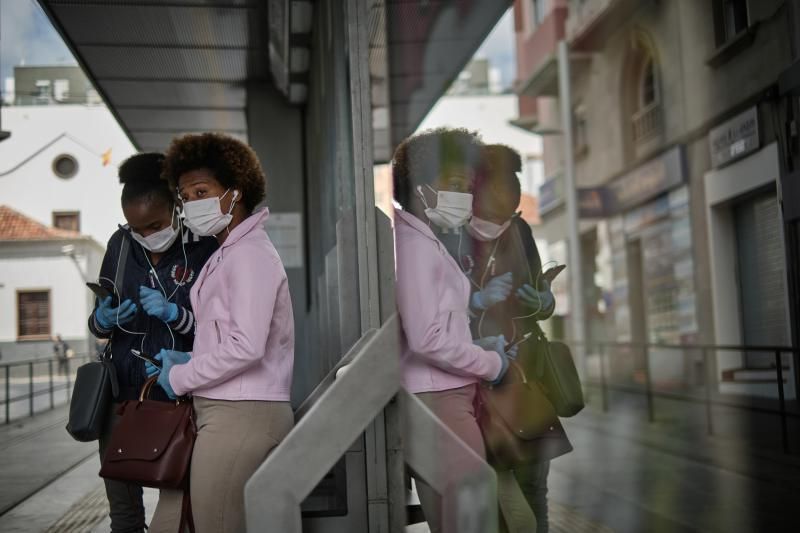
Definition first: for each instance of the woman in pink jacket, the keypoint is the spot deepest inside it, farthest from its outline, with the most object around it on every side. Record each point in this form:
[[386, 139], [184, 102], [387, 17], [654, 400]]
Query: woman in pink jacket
[[433, 175], [240, 369]]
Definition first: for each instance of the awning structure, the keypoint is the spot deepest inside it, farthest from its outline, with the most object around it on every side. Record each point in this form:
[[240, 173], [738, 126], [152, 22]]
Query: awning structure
[[184, 65], [428, 45], [168, 68]]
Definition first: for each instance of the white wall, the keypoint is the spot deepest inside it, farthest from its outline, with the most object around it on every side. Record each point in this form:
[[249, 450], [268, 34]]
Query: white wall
[[490, 116], [43, 266], [85, 132]]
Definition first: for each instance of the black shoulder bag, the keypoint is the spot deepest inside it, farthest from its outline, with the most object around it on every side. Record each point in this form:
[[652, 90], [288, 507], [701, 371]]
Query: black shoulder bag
[[96, 382]]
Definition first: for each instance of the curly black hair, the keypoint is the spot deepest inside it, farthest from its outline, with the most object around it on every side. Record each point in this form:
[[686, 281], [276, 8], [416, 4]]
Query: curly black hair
[[497, 191], [140, 176], [232, 162], [424, 157]]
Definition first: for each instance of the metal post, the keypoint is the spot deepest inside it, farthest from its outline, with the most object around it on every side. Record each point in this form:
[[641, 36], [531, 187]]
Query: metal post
[[784, 429], [603, 386], [30, 386], [707, 382], [571, 198], [66, 372], [648, 384], [50, 374], [8, 394]]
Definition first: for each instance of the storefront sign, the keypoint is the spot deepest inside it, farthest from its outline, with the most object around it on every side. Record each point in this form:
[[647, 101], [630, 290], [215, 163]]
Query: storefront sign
[[551, 194], [647, 181], [593, 202], [735, 138]]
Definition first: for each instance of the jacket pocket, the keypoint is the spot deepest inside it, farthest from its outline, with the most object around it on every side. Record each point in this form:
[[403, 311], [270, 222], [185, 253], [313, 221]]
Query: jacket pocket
[[219, 335]]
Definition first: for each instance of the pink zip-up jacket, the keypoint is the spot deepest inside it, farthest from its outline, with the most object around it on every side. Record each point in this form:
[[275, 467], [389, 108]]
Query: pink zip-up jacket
[[433, 301], [244, 343]]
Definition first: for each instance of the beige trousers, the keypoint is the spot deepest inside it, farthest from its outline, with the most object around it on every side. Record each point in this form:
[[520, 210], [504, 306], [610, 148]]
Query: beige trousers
[[233, 439], [455, 408]]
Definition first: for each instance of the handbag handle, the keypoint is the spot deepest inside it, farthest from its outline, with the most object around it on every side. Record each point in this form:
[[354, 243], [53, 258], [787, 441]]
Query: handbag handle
[[145, 393], [516, 366], [148, 386]]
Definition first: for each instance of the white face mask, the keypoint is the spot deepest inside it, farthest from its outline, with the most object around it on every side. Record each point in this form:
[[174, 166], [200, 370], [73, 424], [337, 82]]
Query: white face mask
[[205, 217], [483, 230], [159, 241], [452, 210]]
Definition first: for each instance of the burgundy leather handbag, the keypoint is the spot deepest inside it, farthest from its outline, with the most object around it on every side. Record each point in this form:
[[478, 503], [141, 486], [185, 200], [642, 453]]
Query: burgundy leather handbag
[[152, 444], [518, 422]]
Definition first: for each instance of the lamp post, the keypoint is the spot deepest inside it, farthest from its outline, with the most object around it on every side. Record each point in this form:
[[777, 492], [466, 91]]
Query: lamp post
[[571, 198]]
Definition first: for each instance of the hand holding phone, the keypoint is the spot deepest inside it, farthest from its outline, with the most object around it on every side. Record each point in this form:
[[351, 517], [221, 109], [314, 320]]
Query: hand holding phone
[[551, 273], [102, 293], [511, 345], [149, 358]]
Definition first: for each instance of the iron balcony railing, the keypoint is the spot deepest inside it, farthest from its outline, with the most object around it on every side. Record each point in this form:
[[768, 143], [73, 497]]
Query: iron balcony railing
[[38, 378]]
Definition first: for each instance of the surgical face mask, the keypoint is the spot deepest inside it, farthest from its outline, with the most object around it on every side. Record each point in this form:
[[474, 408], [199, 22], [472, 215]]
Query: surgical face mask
[[205, 217], [159, 241], [452, 210], [483, 230]]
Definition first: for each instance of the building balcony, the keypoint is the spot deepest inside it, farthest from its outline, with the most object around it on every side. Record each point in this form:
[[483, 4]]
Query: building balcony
[[647, 123], [591, 22], [537, 62]]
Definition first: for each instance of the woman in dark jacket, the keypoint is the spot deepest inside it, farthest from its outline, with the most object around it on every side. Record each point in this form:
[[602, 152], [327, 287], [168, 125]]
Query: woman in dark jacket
[[161, 262], [499, 255]]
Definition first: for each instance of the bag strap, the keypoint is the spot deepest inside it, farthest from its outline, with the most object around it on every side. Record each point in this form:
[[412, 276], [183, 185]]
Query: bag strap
[[119, 278], [187, 520]]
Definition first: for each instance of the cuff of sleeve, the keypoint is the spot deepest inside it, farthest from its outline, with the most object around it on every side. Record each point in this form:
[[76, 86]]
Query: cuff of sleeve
[[503, 369], [184, 322], [175, 374], [476, 302], [97, 325]]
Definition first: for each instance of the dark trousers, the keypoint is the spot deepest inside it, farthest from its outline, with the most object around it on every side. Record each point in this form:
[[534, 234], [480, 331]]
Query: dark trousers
[[532, 479], [124, 499]]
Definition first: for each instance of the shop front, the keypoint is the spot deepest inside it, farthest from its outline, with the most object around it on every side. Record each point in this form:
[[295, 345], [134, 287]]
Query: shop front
[[749, 274]]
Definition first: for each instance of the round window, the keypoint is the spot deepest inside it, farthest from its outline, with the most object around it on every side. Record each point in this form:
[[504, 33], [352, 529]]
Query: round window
[[65, 166]]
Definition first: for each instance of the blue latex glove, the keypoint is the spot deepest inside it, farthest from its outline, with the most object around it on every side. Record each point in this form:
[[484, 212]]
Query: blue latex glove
[[498, 344], [107, 317], [155, 304], [496, 291], [168, 358], [538, 301]]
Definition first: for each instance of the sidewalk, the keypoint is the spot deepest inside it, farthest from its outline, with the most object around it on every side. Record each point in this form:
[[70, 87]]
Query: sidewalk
[[633, 476], [35, 452]]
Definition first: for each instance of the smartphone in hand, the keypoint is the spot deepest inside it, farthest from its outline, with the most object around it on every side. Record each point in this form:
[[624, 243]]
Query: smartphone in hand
[[551, 273], [102, 293], [149, 358]]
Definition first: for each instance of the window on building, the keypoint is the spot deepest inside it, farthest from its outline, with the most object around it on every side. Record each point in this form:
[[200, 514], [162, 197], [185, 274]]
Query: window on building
[[580, 134], [61, 90], [730, 19], [539, 11], [647, 85], [68, 220], [642, 95], [42, 93], [65, 166], [33, 314]]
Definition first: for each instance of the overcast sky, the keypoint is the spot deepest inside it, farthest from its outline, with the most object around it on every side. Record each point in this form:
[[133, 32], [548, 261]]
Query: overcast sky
[[27, 35]]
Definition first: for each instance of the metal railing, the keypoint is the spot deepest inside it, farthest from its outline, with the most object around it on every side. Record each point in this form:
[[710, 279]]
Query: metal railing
[[605, 351], [647, 122], [333, 417], [55, 374]]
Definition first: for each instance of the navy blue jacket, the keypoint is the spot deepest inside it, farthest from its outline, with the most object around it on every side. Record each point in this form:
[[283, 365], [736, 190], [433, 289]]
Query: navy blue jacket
[[174, 275]]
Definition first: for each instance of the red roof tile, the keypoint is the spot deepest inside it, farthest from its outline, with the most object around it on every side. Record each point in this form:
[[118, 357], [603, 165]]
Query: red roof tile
[[14, 226]]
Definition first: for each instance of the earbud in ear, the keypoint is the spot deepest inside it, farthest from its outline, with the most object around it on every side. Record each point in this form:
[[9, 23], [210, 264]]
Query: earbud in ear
[[235, 194]]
